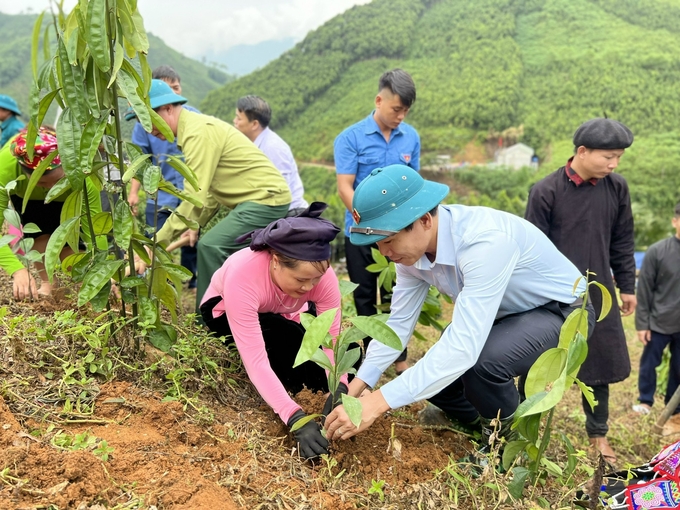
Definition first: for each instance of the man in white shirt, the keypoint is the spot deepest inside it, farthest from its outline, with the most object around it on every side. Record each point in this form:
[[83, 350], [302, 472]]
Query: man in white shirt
[[512, 288]]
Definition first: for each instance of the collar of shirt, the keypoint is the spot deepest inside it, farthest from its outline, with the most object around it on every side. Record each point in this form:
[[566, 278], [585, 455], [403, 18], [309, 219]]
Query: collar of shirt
[[372, 126], [574, 177], [8, 121], [447, 250]]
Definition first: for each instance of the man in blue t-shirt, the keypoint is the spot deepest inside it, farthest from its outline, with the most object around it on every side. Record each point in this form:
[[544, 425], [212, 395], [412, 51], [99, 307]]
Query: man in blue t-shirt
[[160, 150], [379, 140]]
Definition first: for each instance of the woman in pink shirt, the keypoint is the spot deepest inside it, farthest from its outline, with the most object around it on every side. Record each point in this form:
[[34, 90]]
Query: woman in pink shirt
[[257, 296]]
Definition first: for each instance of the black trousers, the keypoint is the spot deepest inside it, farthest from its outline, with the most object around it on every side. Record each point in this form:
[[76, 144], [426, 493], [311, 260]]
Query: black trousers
[[358, 259], [282, 340], [596, 419], [514, 343]]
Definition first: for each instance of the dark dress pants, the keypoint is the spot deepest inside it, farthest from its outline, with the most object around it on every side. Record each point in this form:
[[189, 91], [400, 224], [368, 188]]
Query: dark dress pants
[[282, 341], [358, 259], [651, 359], [514, 343]]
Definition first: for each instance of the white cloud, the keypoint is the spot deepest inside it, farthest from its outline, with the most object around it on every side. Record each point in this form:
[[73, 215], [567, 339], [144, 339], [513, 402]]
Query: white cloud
[[198, 26]]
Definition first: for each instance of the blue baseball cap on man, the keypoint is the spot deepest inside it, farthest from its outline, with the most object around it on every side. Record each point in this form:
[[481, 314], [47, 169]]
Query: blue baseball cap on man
[[389, 200], [10, 104], [160, 94]]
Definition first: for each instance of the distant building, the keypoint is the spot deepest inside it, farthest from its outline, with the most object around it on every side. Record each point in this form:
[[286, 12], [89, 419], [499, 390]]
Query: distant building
[[516, 156]]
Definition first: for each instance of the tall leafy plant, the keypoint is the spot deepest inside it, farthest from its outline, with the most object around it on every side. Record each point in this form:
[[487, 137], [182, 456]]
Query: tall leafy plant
[[549, 377], [98, 64], [317, 335]]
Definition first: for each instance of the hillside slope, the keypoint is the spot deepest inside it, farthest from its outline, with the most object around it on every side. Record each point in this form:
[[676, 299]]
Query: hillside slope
[[15, 62], [479, 65]]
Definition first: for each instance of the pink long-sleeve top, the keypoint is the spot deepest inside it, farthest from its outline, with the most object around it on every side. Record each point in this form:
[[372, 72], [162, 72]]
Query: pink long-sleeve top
[[246, 288]]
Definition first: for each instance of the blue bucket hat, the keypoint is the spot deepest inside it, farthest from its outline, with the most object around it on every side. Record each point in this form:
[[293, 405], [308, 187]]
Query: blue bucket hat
[[160, 94], [389, 200], [10, 104]]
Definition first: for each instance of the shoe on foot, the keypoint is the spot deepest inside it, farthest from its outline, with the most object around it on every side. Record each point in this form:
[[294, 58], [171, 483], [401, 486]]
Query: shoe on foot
[[642, 408], [602, 445], [432, 415]]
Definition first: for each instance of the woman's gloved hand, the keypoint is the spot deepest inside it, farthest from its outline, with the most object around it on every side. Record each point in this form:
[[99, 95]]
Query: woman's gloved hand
[[311, 442]]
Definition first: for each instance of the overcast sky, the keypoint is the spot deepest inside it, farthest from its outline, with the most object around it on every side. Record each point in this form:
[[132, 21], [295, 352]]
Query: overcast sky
[[195, 26]]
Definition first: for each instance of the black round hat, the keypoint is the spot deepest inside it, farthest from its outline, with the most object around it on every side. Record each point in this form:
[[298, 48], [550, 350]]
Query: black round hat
[[603, 134]]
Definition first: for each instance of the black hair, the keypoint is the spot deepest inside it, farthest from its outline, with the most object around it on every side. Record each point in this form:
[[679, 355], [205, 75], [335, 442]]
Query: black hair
[[400, 83], [433, 213], [166, 73], [255, 108], [677, 210]]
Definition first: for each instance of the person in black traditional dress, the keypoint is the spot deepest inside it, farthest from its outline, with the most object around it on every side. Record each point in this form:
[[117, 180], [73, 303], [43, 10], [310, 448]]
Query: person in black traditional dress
[[584, 208]]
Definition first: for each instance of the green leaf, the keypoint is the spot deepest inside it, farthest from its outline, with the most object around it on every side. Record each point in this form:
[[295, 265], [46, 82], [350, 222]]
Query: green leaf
[[12, 217], [545, 371], [31, 228], [516, 486], [72, 86], [378, 330], [320, 358], [35, 177], [102, 223], [551, 467], [528, 426], [128, 87], [119, 55], [587, 392], [187, 221], [576, 322], [606, 301], [182, 195], [44, 106], [348, 360], [124, 224], [60, 187], [72, 208], [90, 140], [37, 27], [186, 172], [96, 278], [6, 239], [347, 287], [304, 421], [152, 176], [578, 351], [511, 451], [68, 134], [70, 261], [132, 281], [524, 407], [353, 409], [56, 243], [100, 301], [379, 258], [314, 335], [97, 35], [163, 337], [132, 168], [178, 271], [148, 310]]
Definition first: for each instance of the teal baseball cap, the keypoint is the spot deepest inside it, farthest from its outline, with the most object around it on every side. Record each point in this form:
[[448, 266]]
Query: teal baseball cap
[[160, 94], [10, 104], [389, 200]]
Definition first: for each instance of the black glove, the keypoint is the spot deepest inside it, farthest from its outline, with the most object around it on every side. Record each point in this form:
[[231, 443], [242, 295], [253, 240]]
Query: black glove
[[331, 400], [311, 442]]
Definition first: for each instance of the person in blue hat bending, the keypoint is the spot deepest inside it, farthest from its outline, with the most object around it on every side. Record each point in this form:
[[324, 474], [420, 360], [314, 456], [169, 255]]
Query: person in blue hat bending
[[10, 124], [512, 288]]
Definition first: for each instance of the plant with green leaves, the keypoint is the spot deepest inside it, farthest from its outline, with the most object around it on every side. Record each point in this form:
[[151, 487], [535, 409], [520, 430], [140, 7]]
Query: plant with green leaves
[[317, 335], [432, 307], [549, 377], [23, 248], [99, 59]]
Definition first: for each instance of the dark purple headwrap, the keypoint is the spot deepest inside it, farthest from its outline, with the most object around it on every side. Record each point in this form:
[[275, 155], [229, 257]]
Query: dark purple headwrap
[[306, 236]]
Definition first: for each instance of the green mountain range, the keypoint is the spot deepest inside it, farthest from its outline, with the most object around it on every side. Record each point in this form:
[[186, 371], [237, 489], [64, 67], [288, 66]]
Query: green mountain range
[[15, 62], [479, 65]]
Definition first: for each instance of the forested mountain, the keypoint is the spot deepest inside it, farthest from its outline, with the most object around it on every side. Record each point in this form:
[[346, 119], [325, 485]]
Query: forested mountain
[[15, 62], [479, 65]]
